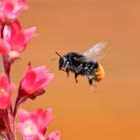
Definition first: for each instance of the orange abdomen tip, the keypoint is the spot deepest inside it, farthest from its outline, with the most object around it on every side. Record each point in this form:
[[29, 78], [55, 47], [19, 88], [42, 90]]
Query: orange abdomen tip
[[100, 73]]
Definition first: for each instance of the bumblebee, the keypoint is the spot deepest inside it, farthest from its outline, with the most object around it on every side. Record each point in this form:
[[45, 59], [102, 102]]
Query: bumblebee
[[84, 64]]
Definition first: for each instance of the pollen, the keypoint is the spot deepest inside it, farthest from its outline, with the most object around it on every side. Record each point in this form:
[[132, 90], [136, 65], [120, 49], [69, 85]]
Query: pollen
[[100, 73], [30, 129], [16, 5]]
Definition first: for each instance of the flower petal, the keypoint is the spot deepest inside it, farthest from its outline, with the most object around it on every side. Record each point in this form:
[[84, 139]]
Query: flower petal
[[54, 135], [4, 47]]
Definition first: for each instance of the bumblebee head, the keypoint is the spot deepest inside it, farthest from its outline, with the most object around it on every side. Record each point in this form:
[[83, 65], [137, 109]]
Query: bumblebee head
[[62, 61]]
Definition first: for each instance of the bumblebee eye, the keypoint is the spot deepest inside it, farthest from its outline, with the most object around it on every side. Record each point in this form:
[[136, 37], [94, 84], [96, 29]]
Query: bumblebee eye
[[61, 62]]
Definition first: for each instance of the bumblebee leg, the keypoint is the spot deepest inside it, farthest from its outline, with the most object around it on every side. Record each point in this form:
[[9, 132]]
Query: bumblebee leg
[[67, 71], [76, 75], [90, 81]]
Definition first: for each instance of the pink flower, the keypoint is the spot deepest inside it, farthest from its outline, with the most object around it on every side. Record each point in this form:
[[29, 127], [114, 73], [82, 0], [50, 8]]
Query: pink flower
[[5, 92], [35, 80], [10, 9], [15, 39], [33, 125]]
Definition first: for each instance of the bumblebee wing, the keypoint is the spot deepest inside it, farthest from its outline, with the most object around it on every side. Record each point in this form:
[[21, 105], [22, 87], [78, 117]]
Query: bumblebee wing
[[96, 52]]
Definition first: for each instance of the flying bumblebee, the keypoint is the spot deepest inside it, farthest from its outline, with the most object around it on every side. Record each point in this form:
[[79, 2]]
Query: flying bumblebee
[[85, 64]]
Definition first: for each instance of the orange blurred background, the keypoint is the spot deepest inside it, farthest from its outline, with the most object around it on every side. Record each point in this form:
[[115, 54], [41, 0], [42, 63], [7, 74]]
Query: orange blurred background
[[112, 111]]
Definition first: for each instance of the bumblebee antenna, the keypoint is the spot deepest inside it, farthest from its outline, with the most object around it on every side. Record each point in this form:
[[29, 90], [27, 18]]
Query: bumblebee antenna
[[58, 54]]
